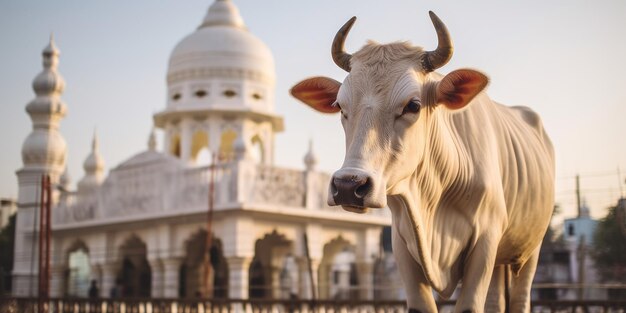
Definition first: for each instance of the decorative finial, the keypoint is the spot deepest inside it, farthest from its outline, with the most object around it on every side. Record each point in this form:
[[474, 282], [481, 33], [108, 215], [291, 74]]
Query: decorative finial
[[94, 141], [152, 143], [94, 168], [223, 13], [51, 49], [310, 160]]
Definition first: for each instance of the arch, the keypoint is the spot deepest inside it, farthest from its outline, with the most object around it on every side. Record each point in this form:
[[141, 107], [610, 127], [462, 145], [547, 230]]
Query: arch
[[344, 276], [204, 157], [78, 270], [199, 141], [227, 140], [326, 275], [270, 253], [198, 267], [258, 149], [134, 275], [175, 149]]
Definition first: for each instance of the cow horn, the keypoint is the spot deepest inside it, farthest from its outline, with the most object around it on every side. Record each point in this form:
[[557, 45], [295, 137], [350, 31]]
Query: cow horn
[[340, 56], [433, 60]]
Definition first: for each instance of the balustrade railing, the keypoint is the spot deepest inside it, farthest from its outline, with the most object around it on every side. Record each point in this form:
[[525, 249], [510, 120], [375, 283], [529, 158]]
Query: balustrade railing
[[79, 305]]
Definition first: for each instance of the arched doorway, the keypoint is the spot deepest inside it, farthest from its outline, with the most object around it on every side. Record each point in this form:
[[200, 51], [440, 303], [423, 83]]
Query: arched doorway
[[134, 276], [226, 150], [336, 263], [194, 273], [78, 274], [200, 153], [175, 149], [258, 150], [267, 266]]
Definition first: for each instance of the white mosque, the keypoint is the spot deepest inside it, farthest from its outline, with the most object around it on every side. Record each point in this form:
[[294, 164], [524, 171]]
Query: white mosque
[[141, 229]]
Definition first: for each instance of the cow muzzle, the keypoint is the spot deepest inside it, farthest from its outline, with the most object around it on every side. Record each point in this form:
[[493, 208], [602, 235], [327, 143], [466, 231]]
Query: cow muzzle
[[355, 190]]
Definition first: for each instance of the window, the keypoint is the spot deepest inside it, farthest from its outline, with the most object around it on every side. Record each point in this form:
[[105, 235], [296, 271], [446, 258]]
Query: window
[[257, 96], [200, 93], [229, 93], [176, 96]]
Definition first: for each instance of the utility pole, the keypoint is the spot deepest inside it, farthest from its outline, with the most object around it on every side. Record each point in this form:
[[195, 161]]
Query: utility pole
[[578, 194]]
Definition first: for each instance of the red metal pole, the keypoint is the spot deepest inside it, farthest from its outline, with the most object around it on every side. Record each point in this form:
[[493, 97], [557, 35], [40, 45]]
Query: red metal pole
[[42, 205], [44, 243], [48, 235]]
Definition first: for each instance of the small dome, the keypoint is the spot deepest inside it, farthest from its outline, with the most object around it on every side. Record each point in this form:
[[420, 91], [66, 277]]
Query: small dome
[[94, 163], [222, 42], [94, 169]]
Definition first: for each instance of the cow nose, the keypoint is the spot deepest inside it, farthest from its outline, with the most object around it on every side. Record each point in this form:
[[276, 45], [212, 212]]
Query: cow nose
[[350, 189]]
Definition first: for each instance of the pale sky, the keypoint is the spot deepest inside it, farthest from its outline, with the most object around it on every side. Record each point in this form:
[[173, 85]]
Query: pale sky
[[566, 59]]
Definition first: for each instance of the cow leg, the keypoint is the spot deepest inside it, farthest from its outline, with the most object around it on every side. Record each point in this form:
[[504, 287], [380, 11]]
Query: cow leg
[[419, 295], [478, 270], [521, 285], [496, 295]]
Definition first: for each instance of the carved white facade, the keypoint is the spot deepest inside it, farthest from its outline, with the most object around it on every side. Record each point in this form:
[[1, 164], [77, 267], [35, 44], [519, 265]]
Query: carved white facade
[[143, 226]]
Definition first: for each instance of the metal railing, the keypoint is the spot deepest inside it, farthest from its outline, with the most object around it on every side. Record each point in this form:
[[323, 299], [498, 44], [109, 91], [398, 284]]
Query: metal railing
[[81, 305]]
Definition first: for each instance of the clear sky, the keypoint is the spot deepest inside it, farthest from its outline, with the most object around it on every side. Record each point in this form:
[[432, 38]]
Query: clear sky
[[566, 59]]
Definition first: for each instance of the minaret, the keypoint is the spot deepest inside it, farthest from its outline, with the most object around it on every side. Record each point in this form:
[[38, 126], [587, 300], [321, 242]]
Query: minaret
[[94, 169], [310, 159], [152, 142], [43, 152]]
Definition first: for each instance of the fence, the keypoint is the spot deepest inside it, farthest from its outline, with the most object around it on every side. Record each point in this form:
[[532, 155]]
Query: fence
[[78, 305]]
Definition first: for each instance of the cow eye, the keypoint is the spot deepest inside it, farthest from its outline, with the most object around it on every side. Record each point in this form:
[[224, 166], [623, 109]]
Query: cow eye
[[413, 106], [340, 110]]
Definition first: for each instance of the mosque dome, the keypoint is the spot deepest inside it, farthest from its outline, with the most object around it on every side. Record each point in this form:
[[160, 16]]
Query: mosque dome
[[220, 86], [221, 48]]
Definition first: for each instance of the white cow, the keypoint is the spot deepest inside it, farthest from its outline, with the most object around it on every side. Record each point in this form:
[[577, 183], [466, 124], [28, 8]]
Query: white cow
[[470, 182]]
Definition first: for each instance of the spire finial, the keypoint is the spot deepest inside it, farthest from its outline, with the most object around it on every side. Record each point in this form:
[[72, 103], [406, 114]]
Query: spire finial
[[223, 13], [310, 159], [152, 143], [94, 141], [51, 48]]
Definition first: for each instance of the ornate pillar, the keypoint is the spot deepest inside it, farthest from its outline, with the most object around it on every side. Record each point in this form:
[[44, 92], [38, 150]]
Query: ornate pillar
[[365, 271], [367, 250], [238, 268], [276, 291], [171, 270], [109, 274], [306, 290], [156, 269], [186, 135]]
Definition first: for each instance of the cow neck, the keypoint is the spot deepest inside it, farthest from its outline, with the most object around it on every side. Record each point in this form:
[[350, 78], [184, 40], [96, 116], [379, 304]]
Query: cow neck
[[439, 180], [442, 170]]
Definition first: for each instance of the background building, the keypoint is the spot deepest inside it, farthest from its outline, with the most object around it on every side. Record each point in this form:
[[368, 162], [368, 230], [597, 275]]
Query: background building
[[142, 229]]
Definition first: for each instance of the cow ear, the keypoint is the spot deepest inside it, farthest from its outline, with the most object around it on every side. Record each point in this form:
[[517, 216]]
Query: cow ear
[[320, 93], [459, 87]]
